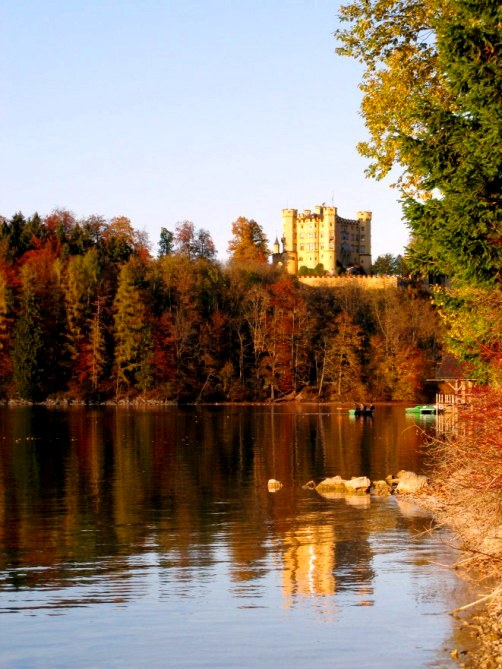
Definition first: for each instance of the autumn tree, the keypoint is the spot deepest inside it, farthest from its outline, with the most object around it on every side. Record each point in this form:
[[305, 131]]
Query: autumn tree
[[193, 243], [95, 349], [121, 240], [340, 364], [276, 366], [87, 313], [43, 311], [249, 243], [393, 40], [80, 284], [132, 331], [403, 343]]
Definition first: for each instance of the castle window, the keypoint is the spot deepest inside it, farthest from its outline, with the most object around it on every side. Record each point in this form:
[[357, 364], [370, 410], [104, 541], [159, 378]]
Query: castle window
[[301, 247], [301, 236], [362, 249], [322, 247]]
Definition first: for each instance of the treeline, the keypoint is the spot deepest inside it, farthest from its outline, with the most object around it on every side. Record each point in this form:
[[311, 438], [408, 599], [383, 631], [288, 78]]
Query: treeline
[[87, 313]]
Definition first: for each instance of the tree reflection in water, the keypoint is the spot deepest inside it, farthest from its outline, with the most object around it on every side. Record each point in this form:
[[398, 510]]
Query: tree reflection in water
[[119, 506]]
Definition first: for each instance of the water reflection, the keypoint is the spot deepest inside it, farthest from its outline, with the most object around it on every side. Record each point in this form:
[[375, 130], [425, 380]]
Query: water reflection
[[117, 507], [78, 485]]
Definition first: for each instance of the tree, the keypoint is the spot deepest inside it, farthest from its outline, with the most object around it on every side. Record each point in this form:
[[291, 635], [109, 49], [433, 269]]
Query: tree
[[43, 307], [249, 243], [390, 265], [28, 350], [341, 356], [96, 349], [184, 239], [193, 243], [5, 331], [393, 39], [121, 240], [402, 343], [166, 243], [133, 343], [443, 58], [458, 152], [204, 246], [81, 283]]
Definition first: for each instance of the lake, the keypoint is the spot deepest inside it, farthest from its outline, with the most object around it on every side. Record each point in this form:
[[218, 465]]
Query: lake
[[148, 538]]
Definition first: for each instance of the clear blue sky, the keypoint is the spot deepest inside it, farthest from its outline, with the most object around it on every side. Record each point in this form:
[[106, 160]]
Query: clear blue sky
[[171, 110]]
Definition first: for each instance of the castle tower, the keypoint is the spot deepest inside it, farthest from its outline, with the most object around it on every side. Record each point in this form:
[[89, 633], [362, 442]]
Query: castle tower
[[364, 219], [327, 255], [289, 222]]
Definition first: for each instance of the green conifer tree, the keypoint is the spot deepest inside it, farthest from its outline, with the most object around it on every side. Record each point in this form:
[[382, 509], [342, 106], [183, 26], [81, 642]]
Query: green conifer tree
[[28, 351]]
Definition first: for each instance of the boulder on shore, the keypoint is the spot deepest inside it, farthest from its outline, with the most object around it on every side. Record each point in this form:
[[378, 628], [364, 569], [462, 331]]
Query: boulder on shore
[[409, 482], [381, 488], [357, 485]]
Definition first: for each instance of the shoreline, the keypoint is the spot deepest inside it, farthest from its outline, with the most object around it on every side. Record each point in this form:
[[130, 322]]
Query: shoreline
[[144, 402], [480, 620]]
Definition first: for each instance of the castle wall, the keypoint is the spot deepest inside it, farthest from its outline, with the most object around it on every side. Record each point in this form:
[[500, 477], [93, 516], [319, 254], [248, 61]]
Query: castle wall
[[364, 282]]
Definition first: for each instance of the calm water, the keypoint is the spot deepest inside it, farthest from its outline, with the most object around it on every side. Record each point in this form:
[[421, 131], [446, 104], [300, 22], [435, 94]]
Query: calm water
[[133, 538]]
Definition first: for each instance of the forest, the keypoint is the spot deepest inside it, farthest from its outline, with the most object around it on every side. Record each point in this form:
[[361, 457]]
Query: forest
[[89, 314]]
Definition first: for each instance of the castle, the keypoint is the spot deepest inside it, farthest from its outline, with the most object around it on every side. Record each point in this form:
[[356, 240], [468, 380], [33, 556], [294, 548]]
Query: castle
[[323, 238]]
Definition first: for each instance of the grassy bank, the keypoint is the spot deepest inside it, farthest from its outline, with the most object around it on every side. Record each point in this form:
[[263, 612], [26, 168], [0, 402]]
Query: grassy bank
[[466, 494]]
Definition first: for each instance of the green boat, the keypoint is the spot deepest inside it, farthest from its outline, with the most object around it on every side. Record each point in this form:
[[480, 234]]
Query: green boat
[[423, 409]]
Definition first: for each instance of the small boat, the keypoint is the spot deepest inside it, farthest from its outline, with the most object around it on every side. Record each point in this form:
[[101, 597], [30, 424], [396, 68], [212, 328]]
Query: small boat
[[423, 409], [361, 412]]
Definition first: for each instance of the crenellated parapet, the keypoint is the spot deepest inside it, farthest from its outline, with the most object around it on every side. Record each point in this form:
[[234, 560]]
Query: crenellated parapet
[[363, 282]]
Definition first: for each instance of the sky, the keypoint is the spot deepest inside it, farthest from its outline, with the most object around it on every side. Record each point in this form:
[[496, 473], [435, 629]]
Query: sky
[[172, 110]]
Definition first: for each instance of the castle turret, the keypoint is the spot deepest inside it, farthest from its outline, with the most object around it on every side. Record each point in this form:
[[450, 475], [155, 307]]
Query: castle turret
[[289, 218], [364, 219]]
